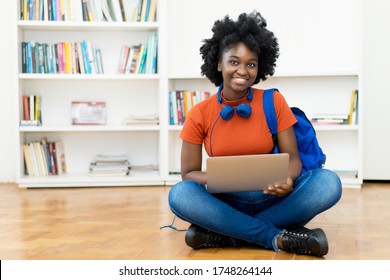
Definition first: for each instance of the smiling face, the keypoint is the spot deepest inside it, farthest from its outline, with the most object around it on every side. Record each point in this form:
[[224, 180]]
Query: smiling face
[[239, 67]]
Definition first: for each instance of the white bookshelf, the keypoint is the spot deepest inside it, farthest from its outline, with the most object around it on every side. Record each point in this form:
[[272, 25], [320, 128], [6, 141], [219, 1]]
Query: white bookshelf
[[322, 83], [124, 94], [342, 144]]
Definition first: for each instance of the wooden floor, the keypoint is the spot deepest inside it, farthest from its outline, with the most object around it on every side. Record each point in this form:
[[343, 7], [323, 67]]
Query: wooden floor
[[124, 224]]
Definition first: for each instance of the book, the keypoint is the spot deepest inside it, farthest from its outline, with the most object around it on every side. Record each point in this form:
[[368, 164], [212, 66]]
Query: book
[[32, 107], [181, 102], [91, 16], [91, 57], [24, 57], [143, 10], [134, 60], [39, 158], [109, 167], [26, 108], [53, 162], [60, 157], [144, 170], [99, 60], [38, 108], [141, 120], [351, 106], [98, 10], [32, 112], [106, 10], [80, 58], [29, 123], [149, 55], [129, 60], [88, 113], [34, 158], [142, 62], [138, 11], [46, 152], [84, 51], [115, 9], [139, 59], [118, 158], [123, 57], [147, 10], [108, 174], [28, 160], [44, 158], [322, 119], [354, 105], [130, 9], [152, 10]]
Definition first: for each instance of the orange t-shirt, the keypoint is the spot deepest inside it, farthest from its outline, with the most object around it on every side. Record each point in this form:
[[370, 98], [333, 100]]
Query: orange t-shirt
[[237, 136]]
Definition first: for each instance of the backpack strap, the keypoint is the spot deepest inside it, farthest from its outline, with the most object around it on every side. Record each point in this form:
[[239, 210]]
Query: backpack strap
[[270, 115]]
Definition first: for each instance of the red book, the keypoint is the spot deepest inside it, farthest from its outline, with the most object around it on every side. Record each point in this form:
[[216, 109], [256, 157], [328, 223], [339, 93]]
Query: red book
[[26, 108]]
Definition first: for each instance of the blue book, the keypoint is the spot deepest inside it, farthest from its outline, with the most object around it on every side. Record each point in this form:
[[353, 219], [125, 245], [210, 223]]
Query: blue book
[[54, 10], [147, 10], [171, 112], [29, 58], [154, 61], [87, 66]]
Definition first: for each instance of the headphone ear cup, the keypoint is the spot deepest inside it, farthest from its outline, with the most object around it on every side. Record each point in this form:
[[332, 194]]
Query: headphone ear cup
[[227, 113], [244, 110]]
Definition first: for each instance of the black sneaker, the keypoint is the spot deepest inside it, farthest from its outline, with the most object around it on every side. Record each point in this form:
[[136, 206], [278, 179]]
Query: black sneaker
[[305, 241], [198, 238]]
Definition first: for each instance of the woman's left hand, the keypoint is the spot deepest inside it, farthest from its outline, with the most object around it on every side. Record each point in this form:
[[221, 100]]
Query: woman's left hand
[[280, 190]]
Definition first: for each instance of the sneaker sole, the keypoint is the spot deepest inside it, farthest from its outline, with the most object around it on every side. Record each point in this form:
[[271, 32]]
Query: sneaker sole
[[323, 241]]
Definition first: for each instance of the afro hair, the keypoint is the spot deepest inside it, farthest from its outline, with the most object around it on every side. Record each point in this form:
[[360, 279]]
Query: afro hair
[[249, 29]]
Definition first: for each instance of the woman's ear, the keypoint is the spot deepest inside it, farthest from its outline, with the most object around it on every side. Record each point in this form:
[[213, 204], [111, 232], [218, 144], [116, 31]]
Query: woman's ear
[[219, 68]]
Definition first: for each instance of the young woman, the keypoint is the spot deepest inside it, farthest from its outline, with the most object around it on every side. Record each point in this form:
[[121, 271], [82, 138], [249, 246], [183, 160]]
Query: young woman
[[232, 122]]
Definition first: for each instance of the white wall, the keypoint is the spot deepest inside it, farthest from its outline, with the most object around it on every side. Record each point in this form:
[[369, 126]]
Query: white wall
[[8, 91], [376, 151], [317, 36]]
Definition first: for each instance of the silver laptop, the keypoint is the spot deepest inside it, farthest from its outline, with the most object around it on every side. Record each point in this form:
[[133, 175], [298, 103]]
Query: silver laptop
[[245, 173]]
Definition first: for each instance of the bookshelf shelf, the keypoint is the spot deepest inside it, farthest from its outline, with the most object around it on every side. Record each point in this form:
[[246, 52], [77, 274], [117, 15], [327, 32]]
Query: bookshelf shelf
[[336, 127], [320, 84], [89, 128], [87, 26], [282, 74], [317, 127], [84, 180], [314, 92], [125, 95], [89, 76]]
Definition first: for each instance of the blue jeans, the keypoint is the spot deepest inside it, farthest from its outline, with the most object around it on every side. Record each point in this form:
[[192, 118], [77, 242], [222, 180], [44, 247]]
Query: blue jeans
[[255, 217]]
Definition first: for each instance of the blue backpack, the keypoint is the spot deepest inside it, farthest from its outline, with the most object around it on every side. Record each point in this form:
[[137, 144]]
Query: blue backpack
[[310, 152]]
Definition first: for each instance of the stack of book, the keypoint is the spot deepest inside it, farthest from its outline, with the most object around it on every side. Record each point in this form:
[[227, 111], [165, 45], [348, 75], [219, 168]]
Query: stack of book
[[141, 120], [110, 165], [144, 170], [329, 119]]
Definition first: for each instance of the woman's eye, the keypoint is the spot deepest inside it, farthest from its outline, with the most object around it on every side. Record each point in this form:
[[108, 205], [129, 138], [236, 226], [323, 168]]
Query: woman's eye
[[252, 65], [233, 62]]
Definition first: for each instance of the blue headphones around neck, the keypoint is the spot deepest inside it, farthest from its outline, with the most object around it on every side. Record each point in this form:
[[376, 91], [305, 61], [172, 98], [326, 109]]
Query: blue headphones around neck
[[243, 110]]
